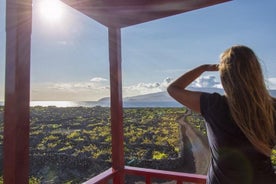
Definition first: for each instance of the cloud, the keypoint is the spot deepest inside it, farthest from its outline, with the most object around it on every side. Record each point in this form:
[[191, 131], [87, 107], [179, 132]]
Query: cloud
[[79, 91], [99, 87], [70, 86], [167, 81], [141, 88], [98, 79], [208, 81], [271, 83], [211, 81], [146, 88]]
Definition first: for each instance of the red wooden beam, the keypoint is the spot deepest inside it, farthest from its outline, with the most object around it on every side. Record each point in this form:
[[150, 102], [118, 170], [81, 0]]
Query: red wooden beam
[[114, 36], [17, 91], [123, 13], [161, 174], [149, 174], [104, 177]]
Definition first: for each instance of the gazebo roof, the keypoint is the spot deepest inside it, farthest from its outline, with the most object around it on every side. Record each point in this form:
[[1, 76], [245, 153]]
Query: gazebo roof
[[123, 13]]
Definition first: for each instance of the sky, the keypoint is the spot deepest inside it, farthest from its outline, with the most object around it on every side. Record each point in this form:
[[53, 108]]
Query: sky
[[69, 54]]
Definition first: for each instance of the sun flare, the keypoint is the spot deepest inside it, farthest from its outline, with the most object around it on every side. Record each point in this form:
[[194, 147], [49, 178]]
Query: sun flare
[[51, 10]]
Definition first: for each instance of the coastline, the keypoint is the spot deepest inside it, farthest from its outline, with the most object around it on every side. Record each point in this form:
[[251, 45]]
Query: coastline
[[126, 104]]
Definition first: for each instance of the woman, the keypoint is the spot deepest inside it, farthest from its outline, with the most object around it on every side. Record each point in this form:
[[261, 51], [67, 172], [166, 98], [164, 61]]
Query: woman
[[240, 124]]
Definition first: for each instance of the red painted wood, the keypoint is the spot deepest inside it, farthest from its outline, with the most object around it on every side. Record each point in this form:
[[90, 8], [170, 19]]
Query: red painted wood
[[104, 177], [170, 175], [114, 36], [17, 91], [148, 179], [123, 13]]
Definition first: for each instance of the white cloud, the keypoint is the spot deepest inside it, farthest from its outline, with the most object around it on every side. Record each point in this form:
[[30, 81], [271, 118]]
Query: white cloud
[[271, 83], [211, 81], [167, 81], [146, 88], [79, 91], [98, 79], [208, 81], [70, 86], [99, 87], [141, 88]]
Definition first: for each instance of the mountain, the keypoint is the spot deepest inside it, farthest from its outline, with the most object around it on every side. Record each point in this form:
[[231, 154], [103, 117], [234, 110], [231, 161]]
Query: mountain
[[153, 97], [273, 92], [160, 96], [165, 97]]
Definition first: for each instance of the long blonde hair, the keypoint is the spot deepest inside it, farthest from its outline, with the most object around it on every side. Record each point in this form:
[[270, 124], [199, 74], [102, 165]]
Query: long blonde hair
[[250, 103]]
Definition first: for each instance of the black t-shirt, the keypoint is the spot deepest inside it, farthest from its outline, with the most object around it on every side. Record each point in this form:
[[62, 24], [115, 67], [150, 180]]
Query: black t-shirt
[[234, 159]]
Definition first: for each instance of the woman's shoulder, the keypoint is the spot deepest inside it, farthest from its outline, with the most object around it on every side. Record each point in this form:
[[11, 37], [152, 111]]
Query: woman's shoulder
[[211, 101], [213, 97]]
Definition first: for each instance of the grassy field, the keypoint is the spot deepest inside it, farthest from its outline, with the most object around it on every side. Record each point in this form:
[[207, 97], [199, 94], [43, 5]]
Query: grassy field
[[86, 131], [83, 134], [75, 142]]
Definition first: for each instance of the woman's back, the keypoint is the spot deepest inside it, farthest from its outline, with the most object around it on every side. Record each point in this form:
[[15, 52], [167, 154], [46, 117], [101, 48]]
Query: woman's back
[[241, 124], [234, 158]]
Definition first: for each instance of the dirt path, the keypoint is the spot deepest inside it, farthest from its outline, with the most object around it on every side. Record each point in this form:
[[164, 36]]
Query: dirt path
[[194, 146], [199, 145]]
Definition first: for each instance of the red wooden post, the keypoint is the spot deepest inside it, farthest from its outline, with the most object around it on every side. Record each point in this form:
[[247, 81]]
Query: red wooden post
[[114, 36], [17, 91], [148, 180]]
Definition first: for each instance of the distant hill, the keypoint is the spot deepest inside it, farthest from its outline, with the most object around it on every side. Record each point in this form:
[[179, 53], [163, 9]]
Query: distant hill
[[273, 92], [153, 97], [165, 97]]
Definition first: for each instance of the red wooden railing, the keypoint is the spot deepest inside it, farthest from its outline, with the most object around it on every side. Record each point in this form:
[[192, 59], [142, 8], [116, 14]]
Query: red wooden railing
[[102, 178], [149, 174], [17, 94]]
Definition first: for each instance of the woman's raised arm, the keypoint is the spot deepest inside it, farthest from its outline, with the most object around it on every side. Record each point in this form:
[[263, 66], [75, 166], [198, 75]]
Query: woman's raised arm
[[178, 91]]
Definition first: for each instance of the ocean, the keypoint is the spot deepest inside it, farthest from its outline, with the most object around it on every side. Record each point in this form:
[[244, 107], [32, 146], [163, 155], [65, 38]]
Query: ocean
[[160, 99], [126, 104]]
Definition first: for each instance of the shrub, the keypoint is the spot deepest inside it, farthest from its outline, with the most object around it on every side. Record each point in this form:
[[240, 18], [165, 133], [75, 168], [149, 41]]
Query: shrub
[[159, 155]]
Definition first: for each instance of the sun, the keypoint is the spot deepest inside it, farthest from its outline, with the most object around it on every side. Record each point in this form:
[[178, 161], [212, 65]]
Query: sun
[[51, 10]]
